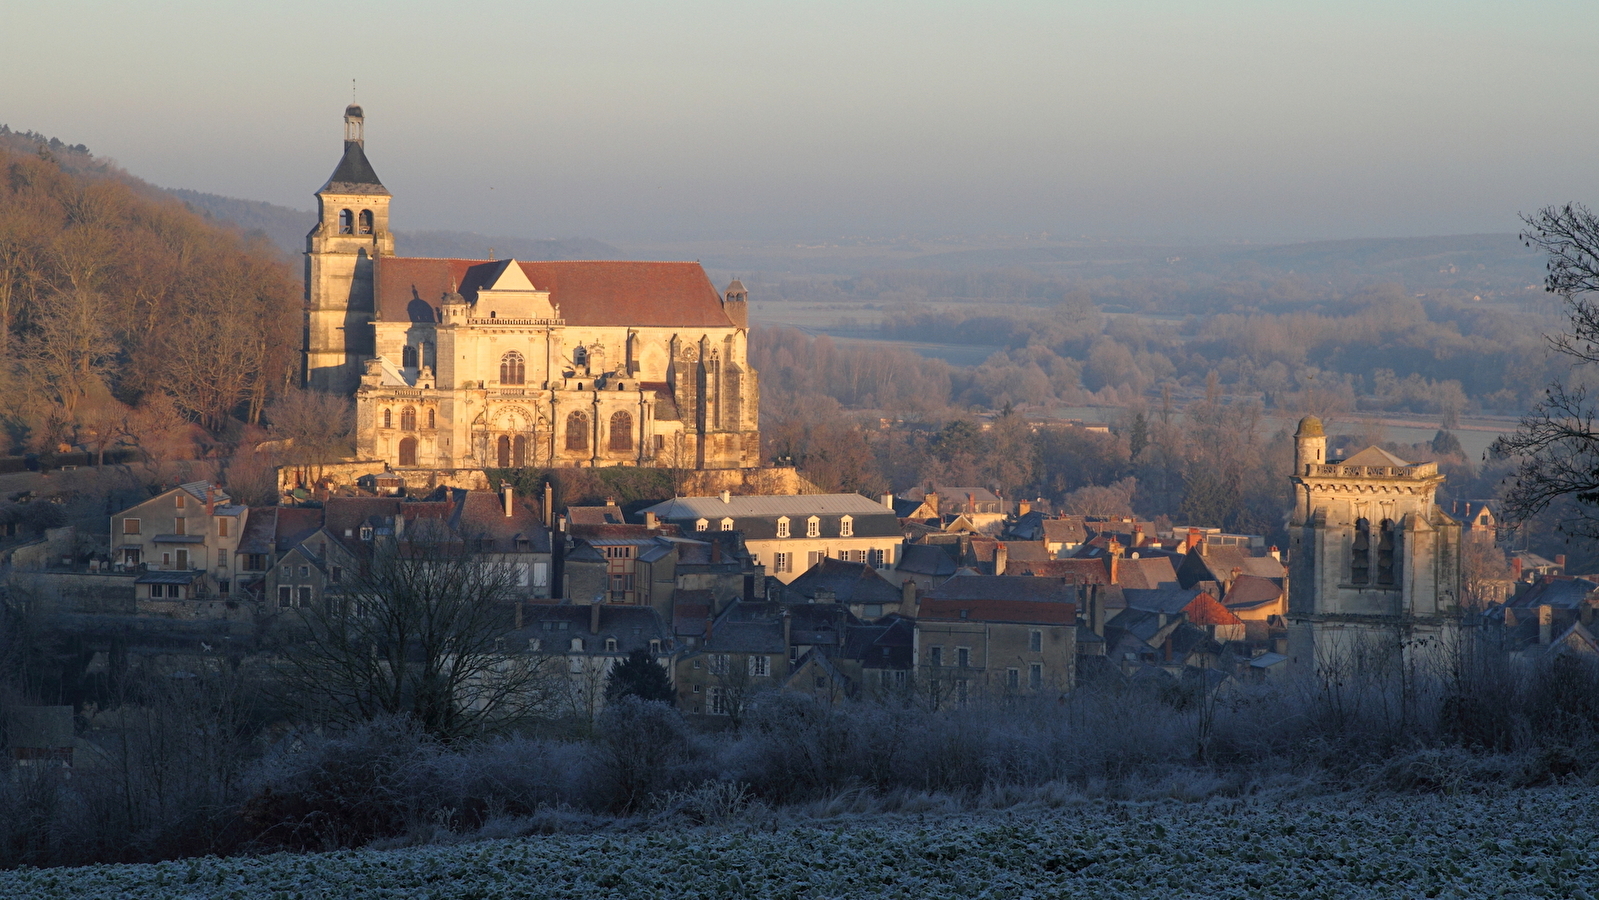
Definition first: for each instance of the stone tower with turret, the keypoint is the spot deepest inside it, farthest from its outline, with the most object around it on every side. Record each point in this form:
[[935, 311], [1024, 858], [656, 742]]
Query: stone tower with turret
[[1374, 563], [351, 232]]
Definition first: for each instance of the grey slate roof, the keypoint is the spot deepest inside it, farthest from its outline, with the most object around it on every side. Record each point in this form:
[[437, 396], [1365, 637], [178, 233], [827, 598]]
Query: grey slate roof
[[1168, 600], [757, 516], [849, 582], [354, 174], [1004, 587]]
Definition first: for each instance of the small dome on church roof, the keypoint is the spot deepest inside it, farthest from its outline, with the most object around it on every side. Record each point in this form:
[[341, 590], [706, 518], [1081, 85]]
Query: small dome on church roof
[[1310, 426], [353, 110]]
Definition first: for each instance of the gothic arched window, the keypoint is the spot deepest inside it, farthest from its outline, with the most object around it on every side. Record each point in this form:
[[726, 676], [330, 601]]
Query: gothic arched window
[[366, 221], [513, 369], [577, 431], [408, 419], [519, 451], [388, 418], [1387, 564], [433, 418], [503, 454], [346, 222], [621, 432], [1360, 554], [408, 357], [408, 451]]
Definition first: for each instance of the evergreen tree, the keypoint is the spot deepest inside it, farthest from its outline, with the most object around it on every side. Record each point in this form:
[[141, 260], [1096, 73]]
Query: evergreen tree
[[641, 677]]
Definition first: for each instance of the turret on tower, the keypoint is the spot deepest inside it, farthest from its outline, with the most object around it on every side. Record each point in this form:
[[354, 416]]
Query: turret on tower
[[352, 231]]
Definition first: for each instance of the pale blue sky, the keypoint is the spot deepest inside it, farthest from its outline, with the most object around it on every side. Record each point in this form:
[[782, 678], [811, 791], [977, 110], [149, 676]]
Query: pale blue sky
[[638, 120]]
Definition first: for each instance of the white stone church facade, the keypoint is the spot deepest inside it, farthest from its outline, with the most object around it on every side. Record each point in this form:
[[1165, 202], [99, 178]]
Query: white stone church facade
[[471, 364]]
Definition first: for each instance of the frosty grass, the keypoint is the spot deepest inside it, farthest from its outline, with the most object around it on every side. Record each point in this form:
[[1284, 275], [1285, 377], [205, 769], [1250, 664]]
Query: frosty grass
[[1518, 844]]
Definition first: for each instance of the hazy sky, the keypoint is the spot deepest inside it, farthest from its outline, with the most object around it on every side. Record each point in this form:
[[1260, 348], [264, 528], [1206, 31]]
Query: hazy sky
[[1218, 119]]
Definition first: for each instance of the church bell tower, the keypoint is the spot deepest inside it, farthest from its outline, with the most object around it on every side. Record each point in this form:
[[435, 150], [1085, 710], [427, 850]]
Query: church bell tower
[[351, 233]]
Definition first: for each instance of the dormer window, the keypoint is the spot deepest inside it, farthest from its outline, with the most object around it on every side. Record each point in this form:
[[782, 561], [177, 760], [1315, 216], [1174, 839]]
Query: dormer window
[[727, 524], [813, 527], [610, 645], [577, 645], [846, 526], [702, 525], [782, 527]]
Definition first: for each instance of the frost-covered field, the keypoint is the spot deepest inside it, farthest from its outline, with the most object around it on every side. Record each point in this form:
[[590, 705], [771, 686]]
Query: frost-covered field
[[1519, 844]]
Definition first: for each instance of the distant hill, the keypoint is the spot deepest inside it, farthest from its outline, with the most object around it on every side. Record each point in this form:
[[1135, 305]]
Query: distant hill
[[286, 228]]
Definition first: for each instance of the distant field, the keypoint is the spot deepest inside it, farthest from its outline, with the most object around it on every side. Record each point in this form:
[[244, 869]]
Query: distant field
[[1526, 843]]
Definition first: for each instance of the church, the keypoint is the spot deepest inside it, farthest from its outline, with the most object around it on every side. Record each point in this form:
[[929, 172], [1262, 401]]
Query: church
[[473, 364], [1374, 563]]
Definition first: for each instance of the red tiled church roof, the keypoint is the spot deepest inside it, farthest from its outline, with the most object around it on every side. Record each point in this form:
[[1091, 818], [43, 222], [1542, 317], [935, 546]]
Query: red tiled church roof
[[588, 293]]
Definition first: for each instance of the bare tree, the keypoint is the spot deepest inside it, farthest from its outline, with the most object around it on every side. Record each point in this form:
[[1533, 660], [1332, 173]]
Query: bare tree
[[314, 428], [418, 632], [1557, 443]]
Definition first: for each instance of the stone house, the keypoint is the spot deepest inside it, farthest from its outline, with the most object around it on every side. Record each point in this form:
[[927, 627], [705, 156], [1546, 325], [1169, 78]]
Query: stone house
[[182, 541], [967, 648], [789, 534]]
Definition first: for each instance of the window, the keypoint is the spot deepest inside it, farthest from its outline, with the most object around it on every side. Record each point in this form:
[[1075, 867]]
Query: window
[[305, 597], [183, 559], [286, 572], [222, 526], [960, 690], [178, 526], [935, 657], [408, 451], [346, 222], [541, 574], [719, 663], [157, 591], [727, 524], [655, 647], [130, 556], [621, 432], [130, 526], [782, 562], [1360, 554], [577, 431], [702, 524], [255, 562], [1385, 553], [760, 665], [366, 221], [696, 689], [874, 558], [408, 357], [305, 571], [285, 597], [1035, 641], [336, 575], [813, 527], [846, 526], [577, 645], [1013, 679], [433, 418], [872, 610], [408, 419], [502, 448], [621, 583], [535, 644], [963, 657], [1035, 676], [178, 501], [223, 586], [782, 527], [610, 645], [716, 702], [174, 591], [513, 368], [814, 557], [388, 418]]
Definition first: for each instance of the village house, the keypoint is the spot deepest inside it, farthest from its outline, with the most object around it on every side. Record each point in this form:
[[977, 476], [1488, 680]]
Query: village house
[[182, 541], [789, 534], [969, 648]]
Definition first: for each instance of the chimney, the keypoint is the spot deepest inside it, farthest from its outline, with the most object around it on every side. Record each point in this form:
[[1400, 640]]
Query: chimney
[[210, 500], [610, 501], [1510, 617], [1001, 557], [1023, 507], [1546, 623], [907, 599], [651, 522], [727, 496], [1096, 610], [1274, 553], [1560, 560], [1234, 577], [510, 499], [1138, 535], [1113, 563], [1194, 540], [932, 502], [594, 615], [888, 501], [1515, 568], [549, 504]]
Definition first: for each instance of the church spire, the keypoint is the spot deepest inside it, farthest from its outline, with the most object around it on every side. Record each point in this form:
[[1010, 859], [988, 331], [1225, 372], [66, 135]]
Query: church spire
[[354, 174]]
